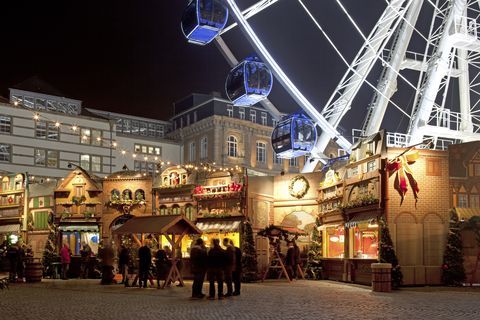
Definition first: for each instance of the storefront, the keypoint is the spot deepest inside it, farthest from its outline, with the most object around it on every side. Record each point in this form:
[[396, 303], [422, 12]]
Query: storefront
[[12, 198]]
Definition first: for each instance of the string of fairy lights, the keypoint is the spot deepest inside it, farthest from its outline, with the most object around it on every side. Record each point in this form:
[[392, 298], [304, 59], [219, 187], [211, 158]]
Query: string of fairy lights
[[158, 161]]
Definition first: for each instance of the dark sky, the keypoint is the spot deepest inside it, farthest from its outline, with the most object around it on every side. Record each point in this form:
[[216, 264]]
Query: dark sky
[[131, 56]]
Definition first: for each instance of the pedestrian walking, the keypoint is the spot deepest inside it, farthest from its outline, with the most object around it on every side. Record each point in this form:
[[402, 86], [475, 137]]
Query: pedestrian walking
[[65, 254], [145, 261], [237, 270], [198, 265], [216, 263], [229, 266], [162, 263], [123, 260], [85, 254]]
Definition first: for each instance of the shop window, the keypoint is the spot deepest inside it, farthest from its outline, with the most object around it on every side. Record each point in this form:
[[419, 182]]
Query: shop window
[[127, 194], [163, 210], [335, 242], [115, 195], [75, 239], [189, 212], [365, 240], [140, 195]]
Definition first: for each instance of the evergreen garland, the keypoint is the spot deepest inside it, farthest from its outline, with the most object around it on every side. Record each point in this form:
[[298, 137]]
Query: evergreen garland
[[249, 255], [387, 254], [314, 264], [50, 253], [453, 270]]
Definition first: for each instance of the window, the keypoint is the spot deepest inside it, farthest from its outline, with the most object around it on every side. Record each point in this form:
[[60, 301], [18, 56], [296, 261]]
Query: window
[[40, 220], [274, 122], [163, 210], [474, 201], [96, 137], [96, 164], [40, 104], [5, 152], [144, 149], [189, 212], [371, 166], [365, 240], [85, 136], [175, 209], [48, 158], [293, 162], [85, 162], [5, 124], [151, 130], [144, 166], [264, 118], [52, 131], [261, 152], [18, 100], [476, 169], [135, 127], [139, 195], [51, 105], [191, 155], [52, 158], [277, 159], [232, 146], [115, 195], [253, 116], [41, 129], [462, 201], [5, 184], [335, 240], [241, 112], [433, 167], [143, 128], [204, 148], [127, 194], [230, 111], [28, 102]]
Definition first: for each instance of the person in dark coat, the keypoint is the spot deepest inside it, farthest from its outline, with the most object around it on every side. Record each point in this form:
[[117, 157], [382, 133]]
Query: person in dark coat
[[229, 266], [145, 261], [237, 269], [13, 258], [198, 266], [216, 264], [162, 263], [290, 260], [123, 260], [85, 253], [297, 260]]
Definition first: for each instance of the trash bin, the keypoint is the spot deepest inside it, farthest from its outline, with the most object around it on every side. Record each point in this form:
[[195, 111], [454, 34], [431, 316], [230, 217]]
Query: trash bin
[[381, 277]]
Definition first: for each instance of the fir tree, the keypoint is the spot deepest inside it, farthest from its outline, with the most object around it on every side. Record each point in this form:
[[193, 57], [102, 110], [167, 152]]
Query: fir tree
[[387, 254], [453, 270], [50, 253], [249, 255], [314, 265]]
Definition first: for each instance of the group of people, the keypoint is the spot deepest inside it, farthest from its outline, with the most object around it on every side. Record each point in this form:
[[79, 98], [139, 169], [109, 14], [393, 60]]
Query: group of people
[[17, 255], [86, 254], [220, 265]]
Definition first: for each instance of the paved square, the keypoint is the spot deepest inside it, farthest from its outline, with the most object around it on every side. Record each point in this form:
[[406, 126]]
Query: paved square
[[86, 299]]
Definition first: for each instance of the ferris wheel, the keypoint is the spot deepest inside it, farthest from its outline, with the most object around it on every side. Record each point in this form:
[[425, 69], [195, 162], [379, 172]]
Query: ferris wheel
[[446, 95]]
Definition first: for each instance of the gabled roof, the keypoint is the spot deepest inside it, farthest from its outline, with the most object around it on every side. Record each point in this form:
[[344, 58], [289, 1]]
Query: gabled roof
[[36, 84], [63, 186], [167, 224]]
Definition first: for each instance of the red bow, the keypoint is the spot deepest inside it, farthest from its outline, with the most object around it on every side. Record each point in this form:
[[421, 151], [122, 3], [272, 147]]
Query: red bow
[[404, 175]]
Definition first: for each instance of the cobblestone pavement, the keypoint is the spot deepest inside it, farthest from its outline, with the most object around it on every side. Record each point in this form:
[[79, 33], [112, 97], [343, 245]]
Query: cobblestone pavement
[[86, 299]]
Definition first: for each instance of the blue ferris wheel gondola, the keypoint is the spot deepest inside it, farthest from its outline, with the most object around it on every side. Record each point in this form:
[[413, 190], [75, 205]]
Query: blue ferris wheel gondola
[[249, 82], [203, 20], [294, 136]]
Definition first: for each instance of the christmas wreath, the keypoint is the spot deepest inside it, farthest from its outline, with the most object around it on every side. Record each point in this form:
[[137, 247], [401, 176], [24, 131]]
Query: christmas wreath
[[298, 187]]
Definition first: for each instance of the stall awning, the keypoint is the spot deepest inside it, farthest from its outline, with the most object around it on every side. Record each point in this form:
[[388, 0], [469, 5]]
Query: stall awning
[[10, 228], [464, 214], [363, 218], [168, 224], [78, 228], [219, 226]]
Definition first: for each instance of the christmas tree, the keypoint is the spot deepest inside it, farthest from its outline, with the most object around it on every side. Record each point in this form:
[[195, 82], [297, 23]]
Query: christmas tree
[[50, 253], [387, 254], [314, 265], [249, 255], [453, 269]]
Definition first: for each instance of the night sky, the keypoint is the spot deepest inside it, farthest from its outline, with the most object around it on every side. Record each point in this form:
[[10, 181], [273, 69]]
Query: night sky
[[131, 56]]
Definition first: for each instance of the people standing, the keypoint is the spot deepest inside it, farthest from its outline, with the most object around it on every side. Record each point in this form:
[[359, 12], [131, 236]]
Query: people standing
[[162, 264], [198, 260], [296, 266], [216, 264], [123, 260], [12, 254], [65, 260], [145, 261], [237, 270], [85, 254], [229, 266], [290, 260]]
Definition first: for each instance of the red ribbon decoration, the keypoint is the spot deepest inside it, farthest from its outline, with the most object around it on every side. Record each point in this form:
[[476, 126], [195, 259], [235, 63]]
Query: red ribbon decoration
[[404, 175]]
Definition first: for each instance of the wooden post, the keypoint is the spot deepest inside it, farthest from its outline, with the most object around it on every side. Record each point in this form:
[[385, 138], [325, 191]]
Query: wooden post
[[134, 236]]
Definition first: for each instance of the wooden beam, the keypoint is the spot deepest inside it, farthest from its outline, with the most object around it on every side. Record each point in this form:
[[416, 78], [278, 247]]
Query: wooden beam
[[134, 236]]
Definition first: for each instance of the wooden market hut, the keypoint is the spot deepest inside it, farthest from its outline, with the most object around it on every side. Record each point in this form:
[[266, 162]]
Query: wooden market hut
[[172, 227]]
